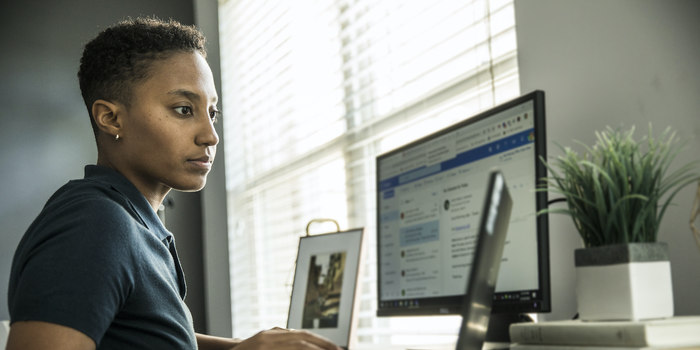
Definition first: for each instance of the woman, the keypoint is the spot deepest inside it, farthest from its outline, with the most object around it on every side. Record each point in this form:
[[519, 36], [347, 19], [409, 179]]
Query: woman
[[97, 269]]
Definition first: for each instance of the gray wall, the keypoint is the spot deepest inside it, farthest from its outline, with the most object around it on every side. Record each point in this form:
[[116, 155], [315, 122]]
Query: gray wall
[[622, 62], [45, 134], [213, 208]]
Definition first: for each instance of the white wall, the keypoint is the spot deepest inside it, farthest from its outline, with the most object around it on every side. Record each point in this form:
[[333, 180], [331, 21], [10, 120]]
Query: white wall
[[622, 62]]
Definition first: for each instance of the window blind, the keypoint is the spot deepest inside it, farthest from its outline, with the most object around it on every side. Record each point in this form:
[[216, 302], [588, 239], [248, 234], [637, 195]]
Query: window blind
[[313, 91]]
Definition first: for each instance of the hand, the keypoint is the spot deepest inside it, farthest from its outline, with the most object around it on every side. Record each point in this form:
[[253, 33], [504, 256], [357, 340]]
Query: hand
[[286, 339]]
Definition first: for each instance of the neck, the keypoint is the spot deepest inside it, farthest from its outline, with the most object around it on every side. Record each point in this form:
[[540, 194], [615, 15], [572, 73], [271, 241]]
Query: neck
[[155, 198], [154, 194]]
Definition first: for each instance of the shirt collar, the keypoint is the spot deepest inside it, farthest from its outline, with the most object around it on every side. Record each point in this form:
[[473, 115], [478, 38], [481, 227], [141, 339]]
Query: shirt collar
[[137, 201]]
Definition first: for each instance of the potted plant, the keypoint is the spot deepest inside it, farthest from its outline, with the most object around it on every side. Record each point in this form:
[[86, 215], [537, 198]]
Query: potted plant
[[614, 196]]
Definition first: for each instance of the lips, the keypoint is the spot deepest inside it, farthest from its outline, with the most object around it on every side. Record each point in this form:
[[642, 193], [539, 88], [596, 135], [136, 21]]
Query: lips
[[204, 159], [203, 162]]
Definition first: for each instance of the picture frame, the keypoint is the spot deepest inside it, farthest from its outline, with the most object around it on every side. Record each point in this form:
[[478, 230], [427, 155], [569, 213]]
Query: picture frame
[[326, 285]]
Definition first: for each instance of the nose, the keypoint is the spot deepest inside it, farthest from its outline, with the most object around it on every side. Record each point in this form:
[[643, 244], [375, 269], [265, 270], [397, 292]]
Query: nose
[[206, 133]]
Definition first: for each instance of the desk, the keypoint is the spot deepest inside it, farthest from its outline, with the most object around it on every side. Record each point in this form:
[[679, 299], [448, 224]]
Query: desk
[[451, 346]]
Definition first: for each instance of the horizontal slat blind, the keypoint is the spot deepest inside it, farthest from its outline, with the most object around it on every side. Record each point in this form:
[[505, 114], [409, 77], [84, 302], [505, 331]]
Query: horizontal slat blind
[[313, 91]]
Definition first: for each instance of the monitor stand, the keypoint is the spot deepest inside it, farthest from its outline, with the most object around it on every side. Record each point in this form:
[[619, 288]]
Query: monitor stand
[[499, 326]]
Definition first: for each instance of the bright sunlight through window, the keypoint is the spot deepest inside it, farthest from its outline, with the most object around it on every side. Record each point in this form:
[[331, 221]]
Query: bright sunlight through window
[[314, 90]]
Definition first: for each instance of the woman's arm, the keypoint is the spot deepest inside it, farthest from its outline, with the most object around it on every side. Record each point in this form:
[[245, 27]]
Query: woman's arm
[[29, 335], [208, 342]]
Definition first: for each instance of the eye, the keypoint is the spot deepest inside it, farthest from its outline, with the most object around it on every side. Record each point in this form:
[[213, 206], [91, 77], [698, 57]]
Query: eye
[[214, 115], [184, 110]]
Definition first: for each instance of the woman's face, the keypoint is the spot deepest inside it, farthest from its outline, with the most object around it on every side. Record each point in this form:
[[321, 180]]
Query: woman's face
[[167, 135]]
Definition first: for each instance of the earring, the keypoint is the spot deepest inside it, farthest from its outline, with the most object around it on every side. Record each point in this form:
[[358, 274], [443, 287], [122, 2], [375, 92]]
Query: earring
[[117, 138]]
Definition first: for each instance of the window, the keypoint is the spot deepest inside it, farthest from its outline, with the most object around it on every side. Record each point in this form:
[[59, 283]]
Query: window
[[314, 90]]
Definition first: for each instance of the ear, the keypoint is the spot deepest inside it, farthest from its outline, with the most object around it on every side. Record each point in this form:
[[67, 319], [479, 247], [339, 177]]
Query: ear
[[107, 117]]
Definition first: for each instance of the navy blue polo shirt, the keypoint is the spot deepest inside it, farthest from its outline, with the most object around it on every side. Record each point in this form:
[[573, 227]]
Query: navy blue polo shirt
[[97, 259]]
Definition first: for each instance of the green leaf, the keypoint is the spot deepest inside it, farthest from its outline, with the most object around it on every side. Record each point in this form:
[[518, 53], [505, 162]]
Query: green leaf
[[613, 190]]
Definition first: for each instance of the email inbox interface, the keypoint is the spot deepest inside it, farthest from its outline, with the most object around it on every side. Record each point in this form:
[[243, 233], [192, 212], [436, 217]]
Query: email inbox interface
[[430, 207]]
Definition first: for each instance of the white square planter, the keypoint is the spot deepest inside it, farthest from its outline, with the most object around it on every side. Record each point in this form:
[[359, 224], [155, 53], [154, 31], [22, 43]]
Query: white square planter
[[4, 332], [624, 282]]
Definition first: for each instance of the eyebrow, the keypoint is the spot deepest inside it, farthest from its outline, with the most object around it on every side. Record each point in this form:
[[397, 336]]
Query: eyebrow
[[189, 94]]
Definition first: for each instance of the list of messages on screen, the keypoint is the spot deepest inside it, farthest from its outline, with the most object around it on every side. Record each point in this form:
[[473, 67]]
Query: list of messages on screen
[[430, 198]]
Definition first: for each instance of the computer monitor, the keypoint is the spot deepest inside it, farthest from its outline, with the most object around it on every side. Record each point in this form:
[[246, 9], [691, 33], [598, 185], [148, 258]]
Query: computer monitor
[[429, 197]]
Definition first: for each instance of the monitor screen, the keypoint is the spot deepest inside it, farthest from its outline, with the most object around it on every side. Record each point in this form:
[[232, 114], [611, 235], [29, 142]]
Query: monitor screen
[[429, 197]]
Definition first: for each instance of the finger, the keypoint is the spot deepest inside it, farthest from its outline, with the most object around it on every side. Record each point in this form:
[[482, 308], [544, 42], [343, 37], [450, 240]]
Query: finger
[[284, 339], [317, 340], [279, 329], [310, 344], [302, 338]]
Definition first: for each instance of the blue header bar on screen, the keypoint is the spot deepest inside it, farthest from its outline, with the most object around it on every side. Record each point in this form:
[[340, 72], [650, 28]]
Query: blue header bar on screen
[[488, 150], [419, 173]]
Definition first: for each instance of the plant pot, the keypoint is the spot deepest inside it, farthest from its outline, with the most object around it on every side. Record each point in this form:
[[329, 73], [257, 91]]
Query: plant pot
[[624, 282]]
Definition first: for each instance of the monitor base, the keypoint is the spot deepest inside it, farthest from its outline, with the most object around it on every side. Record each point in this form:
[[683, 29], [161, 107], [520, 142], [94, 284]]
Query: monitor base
[[499, 326]]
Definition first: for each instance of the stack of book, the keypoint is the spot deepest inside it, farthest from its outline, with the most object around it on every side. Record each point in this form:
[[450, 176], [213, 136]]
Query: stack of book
[[681, 332]]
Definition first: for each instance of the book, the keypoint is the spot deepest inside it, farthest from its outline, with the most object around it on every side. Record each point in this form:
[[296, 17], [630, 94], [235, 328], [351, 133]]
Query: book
[[592, 347], [676, 331]]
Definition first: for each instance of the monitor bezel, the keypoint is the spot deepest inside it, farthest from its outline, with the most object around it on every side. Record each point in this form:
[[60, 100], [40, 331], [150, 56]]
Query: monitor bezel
[[452, 305]]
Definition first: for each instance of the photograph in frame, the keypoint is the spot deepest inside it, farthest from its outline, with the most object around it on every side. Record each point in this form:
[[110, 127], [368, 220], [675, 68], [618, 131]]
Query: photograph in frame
[[326, 285]]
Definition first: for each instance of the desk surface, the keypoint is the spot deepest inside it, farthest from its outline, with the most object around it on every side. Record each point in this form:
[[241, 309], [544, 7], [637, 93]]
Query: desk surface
[[365, 346]]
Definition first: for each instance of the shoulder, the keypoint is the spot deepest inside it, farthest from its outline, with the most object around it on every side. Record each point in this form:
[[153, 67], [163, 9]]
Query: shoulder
[[90, 203], [84, 235], [81, 214], [74, 265], [86, 192]]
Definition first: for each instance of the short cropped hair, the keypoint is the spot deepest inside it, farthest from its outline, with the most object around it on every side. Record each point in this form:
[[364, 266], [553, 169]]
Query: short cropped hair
[[121, 56]]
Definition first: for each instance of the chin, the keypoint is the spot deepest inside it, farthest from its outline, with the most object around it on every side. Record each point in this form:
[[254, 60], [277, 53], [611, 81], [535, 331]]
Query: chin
[[194, 186]]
